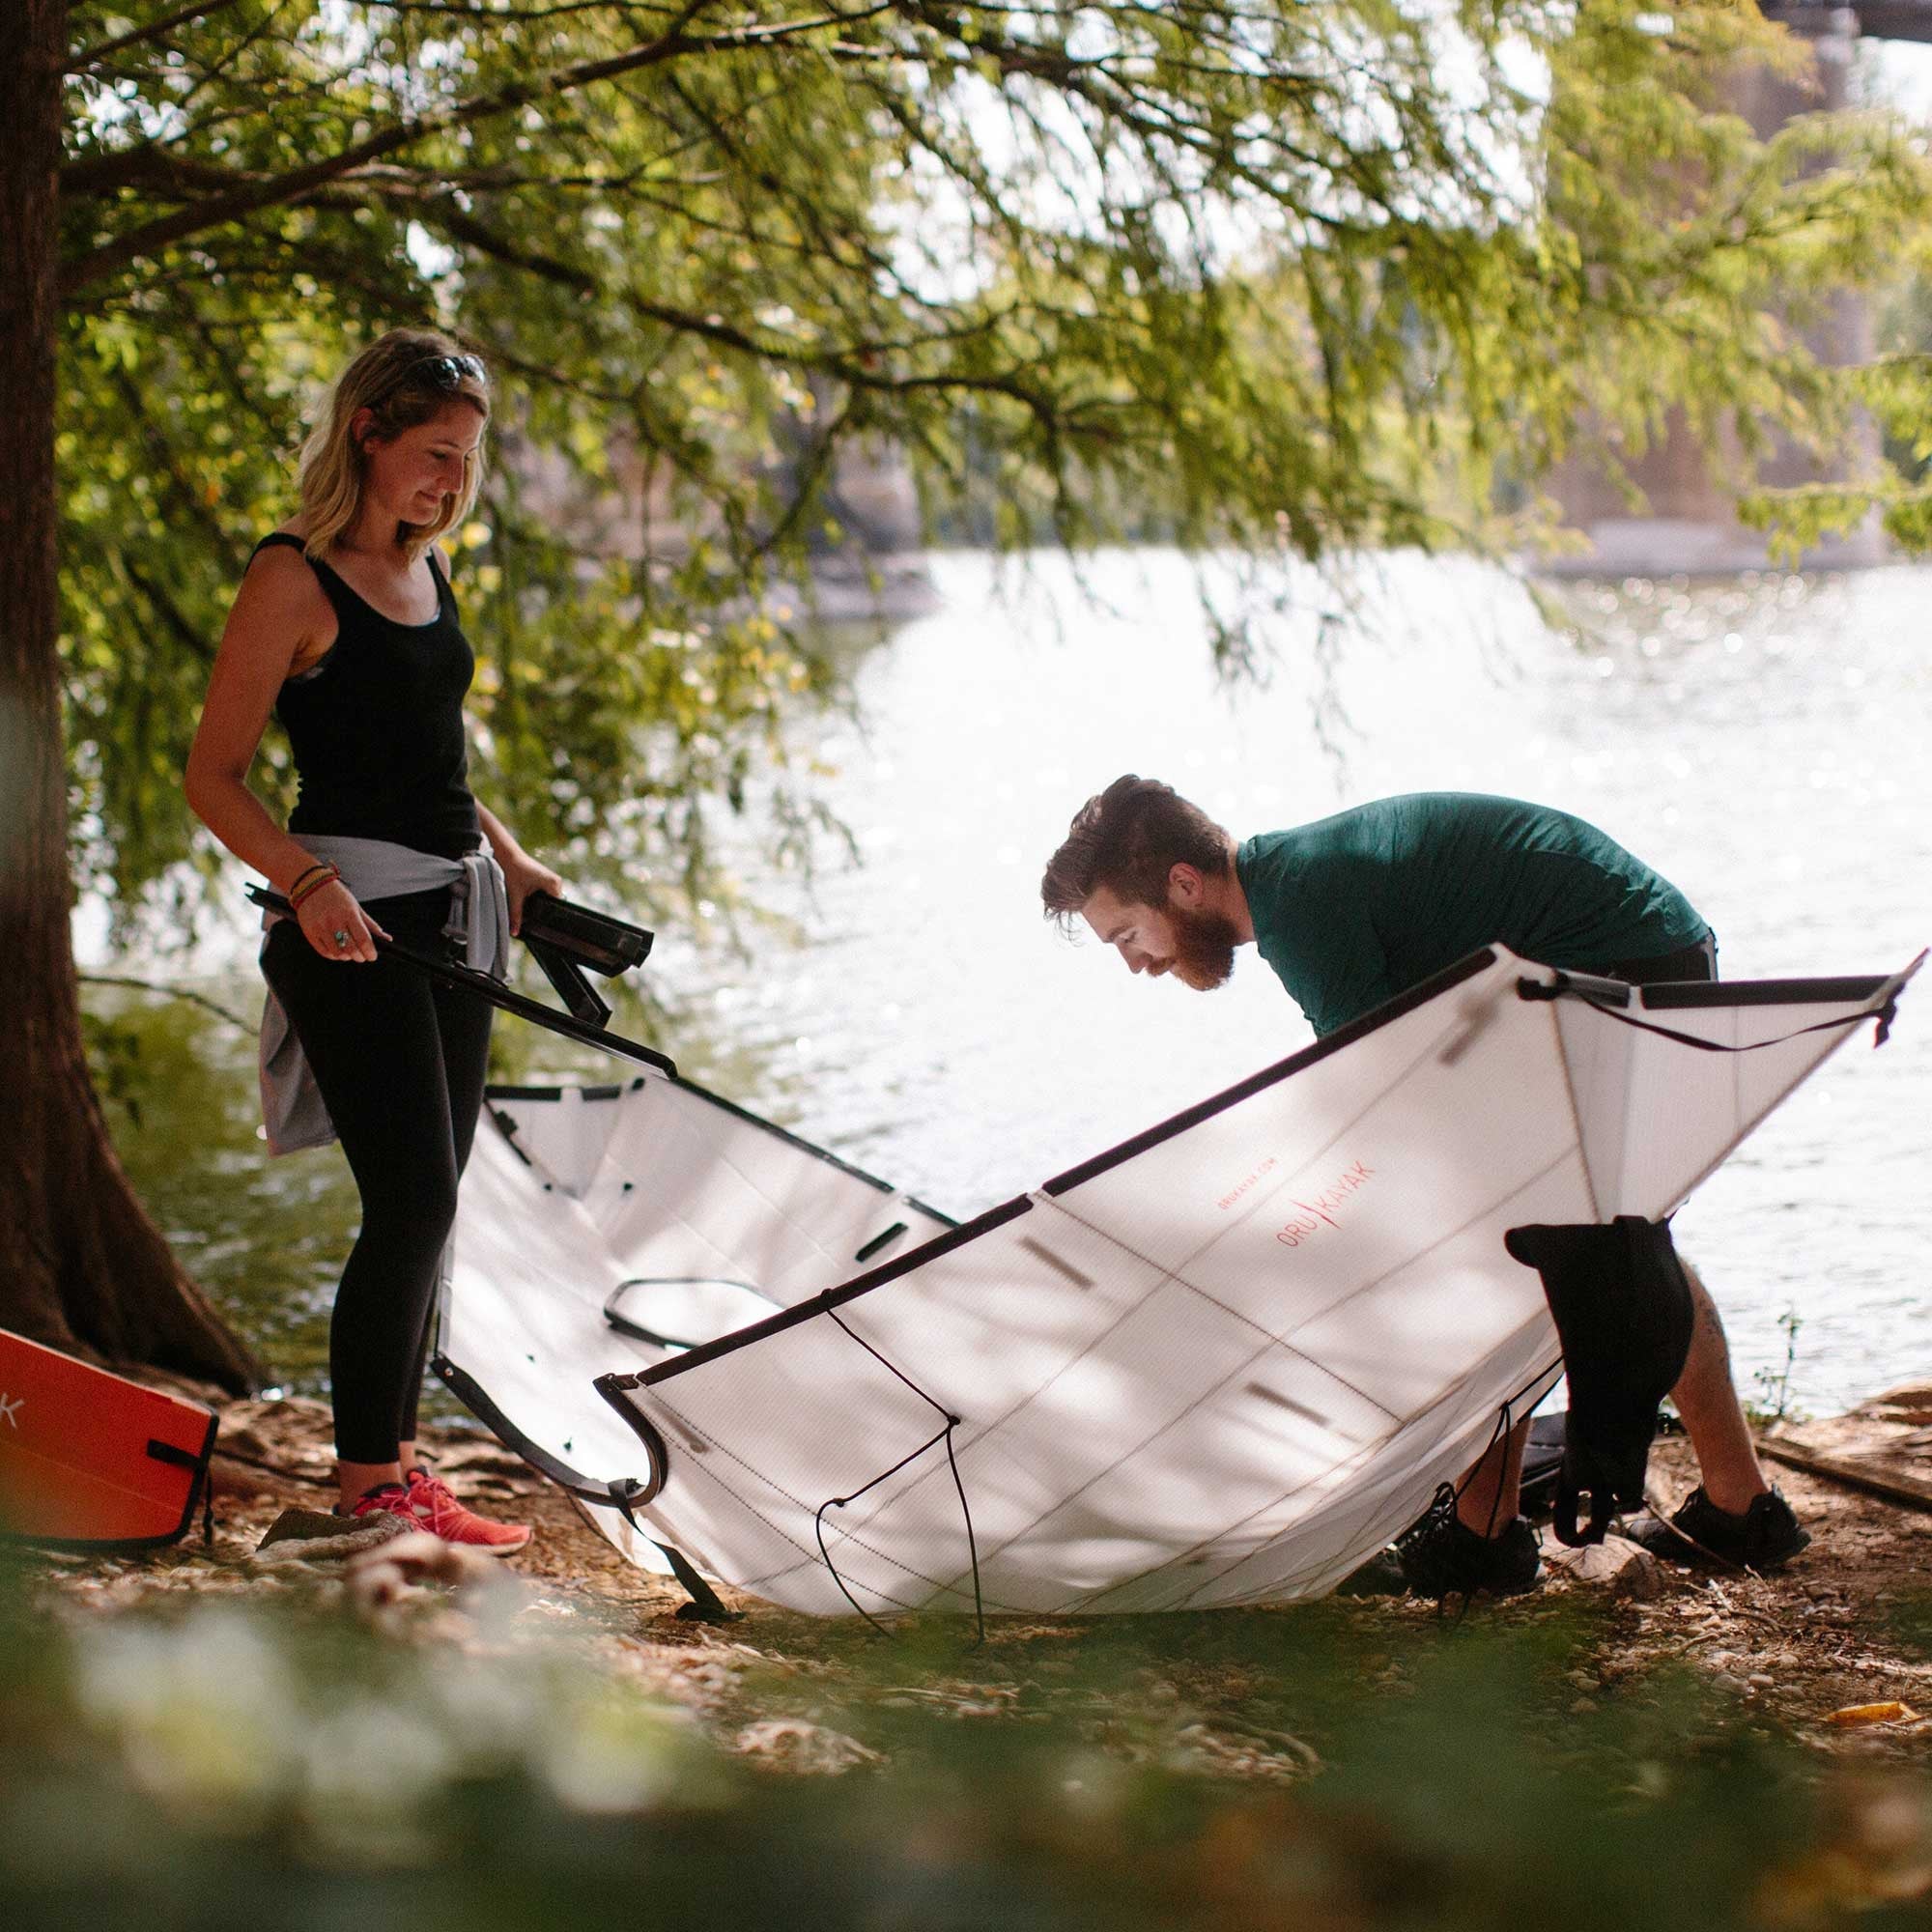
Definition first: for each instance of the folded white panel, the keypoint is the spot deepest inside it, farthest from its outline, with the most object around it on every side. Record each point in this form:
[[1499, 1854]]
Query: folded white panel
[[679, 1183], [562, 1131], [1283, 1318], [588, 1215], [685, 1177], [522, 1324], [1221, 1364], [1788, 1027]]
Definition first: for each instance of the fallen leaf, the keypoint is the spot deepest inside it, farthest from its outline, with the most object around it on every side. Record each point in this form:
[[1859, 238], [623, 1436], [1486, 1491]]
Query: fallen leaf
[[1892, 1712]]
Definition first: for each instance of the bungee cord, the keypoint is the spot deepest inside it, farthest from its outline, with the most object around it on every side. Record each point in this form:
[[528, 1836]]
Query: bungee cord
[[945, 1435]]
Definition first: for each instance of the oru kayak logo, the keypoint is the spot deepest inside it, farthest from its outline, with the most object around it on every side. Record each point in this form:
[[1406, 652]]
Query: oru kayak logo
[[11, 1407], [1315, 1214], [1240, 1188]]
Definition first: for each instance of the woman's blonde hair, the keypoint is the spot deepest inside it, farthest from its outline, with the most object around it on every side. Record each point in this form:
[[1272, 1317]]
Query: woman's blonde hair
[[403, 379]]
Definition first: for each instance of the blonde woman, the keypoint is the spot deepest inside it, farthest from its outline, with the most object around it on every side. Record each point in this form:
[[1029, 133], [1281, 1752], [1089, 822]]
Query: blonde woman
[[345, 626]]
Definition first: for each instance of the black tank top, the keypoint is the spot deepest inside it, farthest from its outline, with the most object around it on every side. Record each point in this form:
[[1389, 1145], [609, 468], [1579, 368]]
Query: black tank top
[[377, 726]]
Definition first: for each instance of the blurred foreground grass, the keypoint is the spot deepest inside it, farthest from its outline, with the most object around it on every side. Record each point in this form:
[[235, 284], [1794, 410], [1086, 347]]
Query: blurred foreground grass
[[265, 1762]]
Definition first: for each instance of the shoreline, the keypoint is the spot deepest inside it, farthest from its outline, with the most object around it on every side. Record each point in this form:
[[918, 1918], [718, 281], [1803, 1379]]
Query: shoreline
[[407, 1738], [1789, 1649]]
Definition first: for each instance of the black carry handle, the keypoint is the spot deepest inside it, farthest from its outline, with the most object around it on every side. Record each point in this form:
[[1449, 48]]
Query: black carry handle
[[566, 938], [584, 1000], [571, 1025], [605, 944]]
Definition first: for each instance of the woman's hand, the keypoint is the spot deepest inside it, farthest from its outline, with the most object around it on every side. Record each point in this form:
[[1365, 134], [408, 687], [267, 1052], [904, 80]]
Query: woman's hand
[[524, 875], [336, 926]]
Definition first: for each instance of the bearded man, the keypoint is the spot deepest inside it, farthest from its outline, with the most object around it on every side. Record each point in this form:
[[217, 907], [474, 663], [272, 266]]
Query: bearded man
[[1354, 910]]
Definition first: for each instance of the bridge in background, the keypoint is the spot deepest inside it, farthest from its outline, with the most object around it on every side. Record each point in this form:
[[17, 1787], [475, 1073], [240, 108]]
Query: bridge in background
[[1875, 19], [1686, 524]]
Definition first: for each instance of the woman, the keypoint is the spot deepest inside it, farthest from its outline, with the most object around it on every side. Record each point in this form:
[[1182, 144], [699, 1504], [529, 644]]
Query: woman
[[344, 625]]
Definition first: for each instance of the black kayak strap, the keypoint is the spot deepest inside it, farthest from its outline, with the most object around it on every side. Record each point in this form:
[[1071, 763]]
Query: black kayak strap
[[705, 1604], [1563, 987], [186, 1459]]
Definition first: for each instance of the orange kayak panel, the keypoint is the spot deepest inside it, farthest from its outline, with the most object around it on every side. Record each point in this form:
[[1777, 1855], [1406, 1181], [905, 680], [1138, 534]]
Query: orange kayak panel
[[89, 1459]]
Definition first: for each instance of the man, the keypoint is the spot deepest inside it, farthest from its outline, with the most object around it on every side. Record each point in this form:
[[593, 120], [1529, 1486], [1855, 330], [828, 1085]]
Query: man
[[1354, 910]]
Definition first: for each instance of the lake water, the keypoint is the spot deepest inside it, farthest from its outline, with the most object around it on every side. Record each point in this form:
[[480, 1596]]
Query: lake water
[[1765, 743]]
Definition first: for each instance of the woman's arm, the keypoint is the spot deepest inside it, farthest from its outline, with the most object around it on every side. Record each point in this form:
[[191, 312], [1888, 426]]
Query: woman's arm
[[521, 874], [278, 609]]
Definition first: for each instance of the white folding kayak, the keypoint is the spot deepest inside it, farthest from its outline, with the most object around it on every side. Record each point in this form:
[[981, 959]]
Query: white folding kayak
[[1222, 1363]]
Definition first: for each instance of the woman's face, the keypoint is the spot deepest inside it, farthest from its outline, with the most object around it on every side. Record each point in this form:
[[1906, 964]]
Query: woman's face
[[409, 473]]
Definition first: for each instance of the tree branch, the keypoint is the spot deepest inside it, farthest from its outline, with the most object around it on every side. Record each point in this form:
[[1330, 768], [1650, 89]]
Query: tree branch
[[477, 235], [169, 611], [517, 18], [278, 190], [168, 993], [182, 17], [106, 171]]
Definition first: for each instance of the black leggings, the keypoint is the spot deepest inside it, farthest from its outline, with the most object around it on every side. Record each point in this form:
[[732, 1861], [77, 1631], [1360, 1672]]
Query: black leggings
[[401, 1062]]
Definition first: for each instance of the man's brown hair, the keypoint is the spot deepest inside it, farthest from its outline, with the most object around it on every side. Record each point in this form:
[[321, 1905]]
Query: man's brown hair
[[1129, 838]]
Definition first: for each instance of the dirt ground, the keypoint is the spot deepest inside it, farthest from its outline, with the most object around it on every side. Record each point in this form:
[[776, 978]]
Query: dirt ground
[[1845, 1628]]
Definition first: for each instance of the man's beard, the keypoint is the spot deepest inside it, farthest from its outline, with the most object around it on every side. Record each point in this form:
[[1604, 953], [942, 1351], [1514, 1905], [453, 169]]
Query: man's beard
[[1203, 948]]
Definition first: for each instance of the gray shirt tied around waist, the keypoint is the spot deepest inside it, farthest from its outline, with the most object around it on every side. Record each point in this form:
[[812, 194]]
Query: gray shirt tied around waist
[[294, 1114]]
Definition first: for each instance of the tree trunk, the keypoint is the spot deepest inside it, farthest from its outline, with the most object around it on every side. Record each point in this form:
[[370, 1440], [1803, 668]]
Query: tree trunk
[[81, 1265]]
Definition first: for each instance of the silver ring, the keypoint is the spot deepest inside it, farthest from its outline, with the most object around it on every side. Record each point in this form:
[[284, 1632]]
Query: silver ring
[[341, 941]]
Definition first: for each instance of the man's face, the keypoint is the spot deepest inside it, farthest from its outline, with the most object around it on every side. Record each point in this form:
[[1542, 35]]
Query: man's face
[[1197, 947]]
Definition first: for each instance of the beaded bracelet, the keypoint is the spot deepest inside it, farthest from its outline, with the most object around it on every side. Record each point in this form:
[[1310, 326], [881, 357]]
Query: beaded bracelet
[[310, 883]]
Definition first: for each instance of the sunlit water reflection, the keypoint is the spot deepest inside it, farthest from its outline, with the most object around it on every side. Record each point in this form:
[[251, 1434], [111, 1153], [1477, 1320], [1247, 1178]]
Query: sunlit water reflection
[[1763, 743]]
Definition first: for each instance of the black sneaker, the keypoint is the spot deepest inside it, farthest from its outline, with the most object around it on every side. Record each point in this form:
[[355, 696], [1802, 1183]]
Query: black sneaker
[[1380, 1577], [1698, 1532], [1437, 1556]]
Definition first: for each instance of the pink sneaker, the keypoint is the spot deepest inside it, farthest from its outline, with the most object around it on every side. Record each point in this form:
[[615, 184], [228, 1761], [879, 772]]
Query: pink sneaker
[[384, 1499], [435, 1509]]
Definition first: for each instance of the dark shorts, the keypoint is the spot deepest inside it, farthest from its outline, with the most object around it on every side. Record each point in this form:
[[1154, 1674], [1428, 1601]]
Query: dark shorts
[[1698, 961]]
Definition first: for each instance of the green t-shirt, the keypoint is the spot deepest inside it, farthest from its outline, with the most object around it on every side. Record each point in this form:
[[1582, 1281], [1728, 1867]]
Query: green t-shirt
[[1354, 909]]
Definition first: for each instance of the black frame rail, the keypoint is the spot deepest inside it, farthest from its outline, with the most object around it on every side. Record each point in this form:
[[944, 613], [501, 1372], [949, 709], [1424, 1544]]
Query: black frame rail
[[1606, 995], [504, 998]]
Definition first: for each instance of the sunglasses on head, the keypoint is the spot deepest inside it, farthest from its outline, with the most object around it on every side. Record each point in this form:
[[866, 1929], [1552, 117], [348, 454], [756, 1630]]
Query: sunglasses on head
[[447, 373]]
